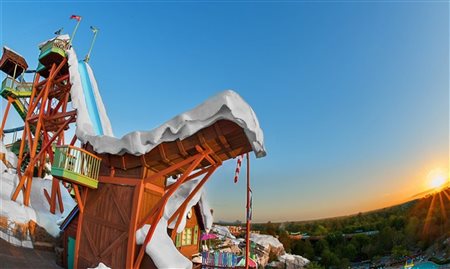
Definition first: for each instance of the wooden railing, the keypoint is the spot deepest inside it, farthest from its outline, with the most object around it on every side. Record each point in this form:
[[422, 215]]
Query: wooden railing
[[77, 161]]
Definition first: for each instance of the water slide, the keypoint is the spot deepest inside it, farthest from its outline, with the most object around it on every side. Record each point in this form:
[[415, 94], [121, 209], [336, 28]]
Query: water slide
[[89, 96], [19, 92]]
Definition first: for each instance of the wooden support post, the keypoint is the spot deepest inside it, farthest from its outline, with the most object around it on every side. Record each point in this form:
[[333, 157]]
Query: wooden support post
[[247, 226], [28, 175], [5, 116], [138, 192], [83, 198]]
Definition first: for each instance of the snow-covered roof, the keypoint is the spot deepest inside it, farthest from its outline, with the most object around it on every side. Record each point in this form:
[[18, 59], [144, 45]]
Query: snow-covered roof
[[10, 49], [62, 37], [227, 105]]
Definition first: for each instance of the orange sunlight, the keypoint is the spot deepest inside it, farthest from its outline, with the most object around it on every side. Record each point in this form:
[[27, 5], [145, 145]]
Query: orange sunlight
[[437, 178]]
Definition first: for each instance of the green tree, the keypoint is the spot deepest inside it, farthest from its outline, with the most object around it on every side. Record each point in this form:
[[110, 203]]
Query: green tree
[[314, 265], [399, 251], [349, 251], [329, 258], [320, 246], [303, 248]]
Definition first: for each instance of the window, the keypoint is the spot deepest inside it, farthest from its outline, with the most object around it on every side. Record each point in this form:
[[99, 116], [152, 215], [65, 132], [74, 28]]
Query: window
[[186, 237]]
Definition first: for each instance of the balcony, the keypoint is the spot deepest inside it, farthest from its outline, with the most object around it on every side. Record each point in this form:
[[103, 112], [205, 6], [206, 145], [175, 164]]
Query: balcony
[[76, 165], [53, 52], [15, 89]]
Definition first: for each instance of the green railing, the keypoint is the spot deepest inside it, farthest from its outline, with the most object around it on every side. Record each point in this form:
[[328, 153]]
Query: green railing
[[76, 165], [56, 46], [16, 86]]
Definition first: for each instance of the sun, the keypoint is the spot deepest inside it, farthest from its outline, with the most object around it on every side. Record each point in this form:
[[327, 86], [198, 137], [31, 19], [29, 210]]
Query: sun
[[437, 178]]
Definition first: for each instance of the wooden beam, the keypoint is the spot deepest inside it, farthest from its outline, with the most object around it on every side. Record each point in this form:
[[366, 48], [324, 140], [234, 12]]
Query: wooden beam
[[183, 206], [194, 163], [153, 187], [175, 167], [136, 209]]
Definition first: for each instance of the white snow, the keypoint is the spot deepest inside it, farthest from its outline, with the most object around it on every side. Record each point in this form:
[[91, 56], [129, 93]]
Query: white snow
[[9, 156], [84, 124], [294, 259], [39, 210], [227, 105], [13, 51], [266, 240], [290, 261], [222, 231], [205, 211], [62, 37], [101, 266]]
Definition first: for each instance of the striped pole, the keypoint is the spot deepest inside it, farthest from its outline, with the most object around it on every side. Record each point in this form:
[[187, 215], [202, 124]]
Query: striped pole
[[238, 168]]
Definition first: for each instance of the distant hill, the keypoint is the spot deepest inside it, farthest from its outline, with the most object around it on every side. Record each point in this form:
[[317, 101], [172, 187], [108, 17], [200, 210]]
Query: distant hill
[[413, 200], [381, 237]]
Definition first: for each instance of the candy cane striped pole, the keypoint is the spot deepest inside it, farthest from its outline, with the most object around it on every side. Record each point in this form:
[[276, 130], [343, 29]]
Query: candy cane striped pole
[[238, 167]]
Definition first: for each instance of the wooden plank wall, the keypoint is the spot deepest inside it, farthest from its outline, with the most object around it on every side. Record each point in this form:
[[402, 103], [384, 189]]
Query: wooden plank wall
[[105, 226]]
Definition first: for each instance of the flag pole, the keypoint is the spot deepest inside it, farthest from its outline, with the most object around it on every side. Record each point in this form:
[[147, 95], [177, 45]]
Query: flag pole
[[88, 56], [74, 32], [247, 239]]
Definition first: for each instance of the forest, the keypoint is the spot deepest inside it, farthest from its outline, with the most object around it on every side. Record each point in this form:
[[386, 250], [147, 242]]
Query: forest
[[390, 234]]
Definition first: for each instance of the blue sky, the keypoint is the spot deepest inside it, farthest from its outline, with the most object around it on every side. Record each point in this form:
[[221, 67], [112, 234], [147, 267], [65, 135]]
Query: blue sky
[[353, 97]]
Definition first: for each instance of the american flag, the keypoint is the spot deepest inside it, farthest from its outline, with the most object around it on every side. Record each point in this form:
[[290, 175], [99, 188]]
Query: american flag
[[76, 17]]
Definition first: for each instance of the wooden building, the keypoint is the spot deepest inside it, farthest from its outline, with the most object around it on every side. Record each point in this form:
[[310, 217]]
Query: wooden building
[[132, 192], [188, 241]]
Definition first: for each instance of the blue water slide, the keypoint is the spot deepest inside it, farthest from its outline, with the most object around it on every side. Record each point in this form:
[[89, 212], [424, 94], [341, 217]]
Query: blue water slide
[[89, 97]]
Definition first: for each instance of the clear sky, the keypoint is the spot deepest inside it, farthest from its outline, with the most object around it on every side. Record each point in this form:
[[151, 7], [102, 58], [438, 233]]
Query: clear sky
[[353, 97]]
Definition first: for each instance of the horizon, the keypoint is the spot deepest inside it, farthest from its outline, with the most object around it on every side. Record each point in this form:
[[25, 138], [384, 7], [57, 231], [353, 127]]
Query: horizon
[[416, 197], [352, 97]]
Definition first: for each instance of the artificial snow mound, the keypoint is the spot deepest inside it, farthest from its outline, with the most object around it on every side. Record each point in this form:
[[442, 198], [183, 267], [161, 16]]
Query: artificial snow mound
[[227, 105], [289, 261], [266, 240], [205, 211], [271, 245], [39, 210], [222, 231], [101, 266], [10, 157]]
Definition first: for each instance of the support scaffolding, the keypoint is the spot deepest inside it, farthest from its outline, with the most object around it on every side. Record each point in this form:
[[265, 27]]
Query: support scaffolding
[[46, 120]]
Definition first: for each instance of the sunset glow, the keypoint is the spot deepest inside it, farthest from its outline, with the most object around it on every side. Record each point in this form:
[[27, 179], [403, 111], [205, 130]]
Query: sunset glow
[[437, 178]]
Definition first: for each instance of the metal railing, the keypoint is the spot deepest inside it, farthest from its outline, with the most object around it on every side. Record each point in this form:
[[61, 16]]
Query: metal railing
[[77, 160]]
